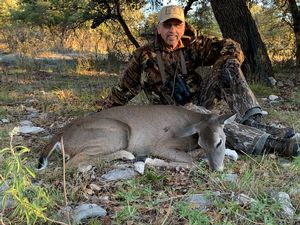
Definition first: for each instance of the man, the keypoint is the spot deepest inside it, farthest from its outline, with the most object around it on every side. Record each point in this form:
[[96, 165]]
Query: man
[[164, 71]]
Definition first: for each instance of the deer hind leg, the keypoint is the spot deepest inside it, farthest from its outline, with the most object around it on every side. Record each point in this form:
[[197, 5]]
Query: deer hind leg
[[106, 141], [83, 159]]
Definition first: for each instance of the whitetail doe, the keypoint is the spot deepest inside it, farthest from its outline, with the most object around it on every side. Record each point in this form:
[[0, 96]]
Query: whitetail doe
[[164, 131]]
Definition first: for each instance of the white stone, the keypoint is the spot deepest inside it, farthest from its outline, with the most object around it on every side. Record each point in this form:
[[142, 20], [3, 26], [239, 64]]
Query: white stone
[[244, 200], [231, 177], [295, 190], [284, 163], [118, 174], [5, 120], [273, 97], [231, 154], [139, 167], [30, 129], [202, 201], [95, 187], [283, 198], [31, 109], [273, 81], [280, 84], [289, 83], [26, 123], [86, 211]]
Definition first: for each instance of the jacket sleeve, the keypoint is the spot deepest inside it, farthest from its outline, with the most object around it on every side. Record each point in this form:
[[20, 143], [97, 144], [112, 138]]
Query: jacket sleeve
[[213, 51], [129, 84]]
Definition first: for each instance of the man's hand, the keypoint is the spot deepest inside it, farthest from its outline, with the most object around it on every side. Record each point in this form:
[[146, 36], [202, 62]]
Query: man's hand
[[233, 50]]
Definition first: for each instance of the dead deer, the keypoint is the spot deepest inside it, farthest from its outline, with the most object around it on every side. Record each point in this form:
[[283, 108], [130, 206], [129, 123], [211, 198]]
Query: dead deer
[[164, 131]]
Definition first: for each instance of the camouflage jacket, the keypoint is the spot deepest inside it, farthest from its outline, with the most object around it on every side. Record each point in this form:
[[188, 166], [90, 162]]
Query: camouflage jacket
[[143, 74]]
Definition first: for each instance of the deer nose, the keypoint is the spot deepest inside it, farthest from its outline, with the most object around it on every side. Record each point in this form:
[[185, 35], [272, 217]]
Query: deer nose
[[220, 168], [217, 168]]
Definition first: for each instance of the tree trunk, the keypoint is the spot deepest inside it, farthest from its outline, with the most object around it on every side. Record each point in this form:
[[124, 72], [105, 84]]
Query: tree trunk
[[236, 22], [127, 31], [293, 9]]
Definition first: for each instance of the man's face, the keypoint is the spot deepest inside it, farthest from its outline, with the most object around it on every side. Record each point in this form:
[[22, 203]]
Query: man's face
[[171, 31]]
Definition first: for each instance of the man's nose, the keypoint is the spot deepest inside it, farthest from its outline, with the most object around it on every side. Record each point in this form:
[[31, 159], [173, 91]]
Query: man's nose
[[173, 27]]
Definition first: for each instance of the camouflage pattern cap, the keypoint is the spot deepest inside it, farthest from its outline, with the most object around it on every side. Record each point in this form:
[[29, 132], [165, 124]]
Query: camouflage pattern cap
[[171, 12]]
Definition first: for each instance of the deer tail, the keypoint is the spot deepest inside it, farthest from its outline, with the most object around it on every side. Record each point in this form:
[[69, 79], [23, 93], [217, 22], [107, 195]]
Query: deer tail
[[54, 144]]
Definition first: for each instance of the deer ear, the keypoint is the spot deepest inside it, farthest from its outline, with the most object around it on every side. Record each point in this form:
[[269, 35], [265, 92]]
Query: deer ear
[[187, 131], [227, 118]]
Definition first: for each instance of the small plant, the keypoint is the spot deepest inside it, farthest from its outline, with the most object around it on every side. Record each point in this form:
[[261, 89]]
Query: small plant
[[194, 216], [29, 201]]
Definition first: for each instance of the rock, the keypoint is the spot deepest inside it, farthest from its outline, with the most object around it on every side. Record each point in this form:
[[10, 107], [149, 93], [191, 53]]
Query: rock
[[284, 163], [5, 120], [289, 83], [29, 130], [273, 81], [202, 201], [283, 199], [86, 211], [31, 110], [104, 199], [26, 123], [95, 187], [231, 177], [273, 97], [139, 167], [119, 174], [244, 200], [280, 84], [231, 154], [295, 191]]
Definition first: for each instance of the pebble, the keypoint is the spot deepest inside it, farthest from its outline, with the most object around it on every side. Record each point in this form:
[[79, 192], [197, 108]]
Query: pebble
[[231, 154], [139, 167], [280, 84], [283, 198], [273, 97], [119, 174], [5, 120], [244, 200], [273, 81], [231, 177], [202, 200], [86, 211]]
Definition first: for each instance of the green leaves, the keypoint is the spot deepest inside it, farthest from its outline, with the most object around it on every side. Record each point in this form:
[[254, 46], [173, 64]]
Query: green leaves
[[30, 201]]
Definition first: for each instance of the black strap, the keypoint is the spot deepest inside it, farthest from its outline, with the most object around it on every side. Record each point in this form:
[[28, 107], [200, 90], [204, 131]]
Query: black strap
[[161, 66], [182, 62]]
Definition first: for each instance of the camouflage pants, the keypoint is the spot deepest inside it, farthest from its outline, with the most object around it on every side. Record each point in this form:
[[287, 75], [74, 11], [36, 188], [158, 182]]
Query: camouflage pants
[[228, 82]]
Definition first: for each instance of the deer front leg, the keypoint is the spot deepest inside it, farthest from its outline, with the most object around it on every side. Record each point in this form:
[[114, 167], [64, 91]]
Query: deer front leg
[[175, 149]]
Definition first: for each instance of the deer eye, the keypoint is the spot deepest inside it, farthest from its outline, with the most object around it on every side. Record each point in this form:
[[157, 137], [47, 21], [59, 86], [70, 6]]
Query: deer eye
[[219, 144]]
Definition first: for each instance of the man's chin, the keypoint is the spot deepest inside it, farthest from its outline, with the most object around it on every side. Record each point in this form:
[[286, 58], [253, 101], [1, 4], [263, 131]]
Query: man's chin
[[172, 44]]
